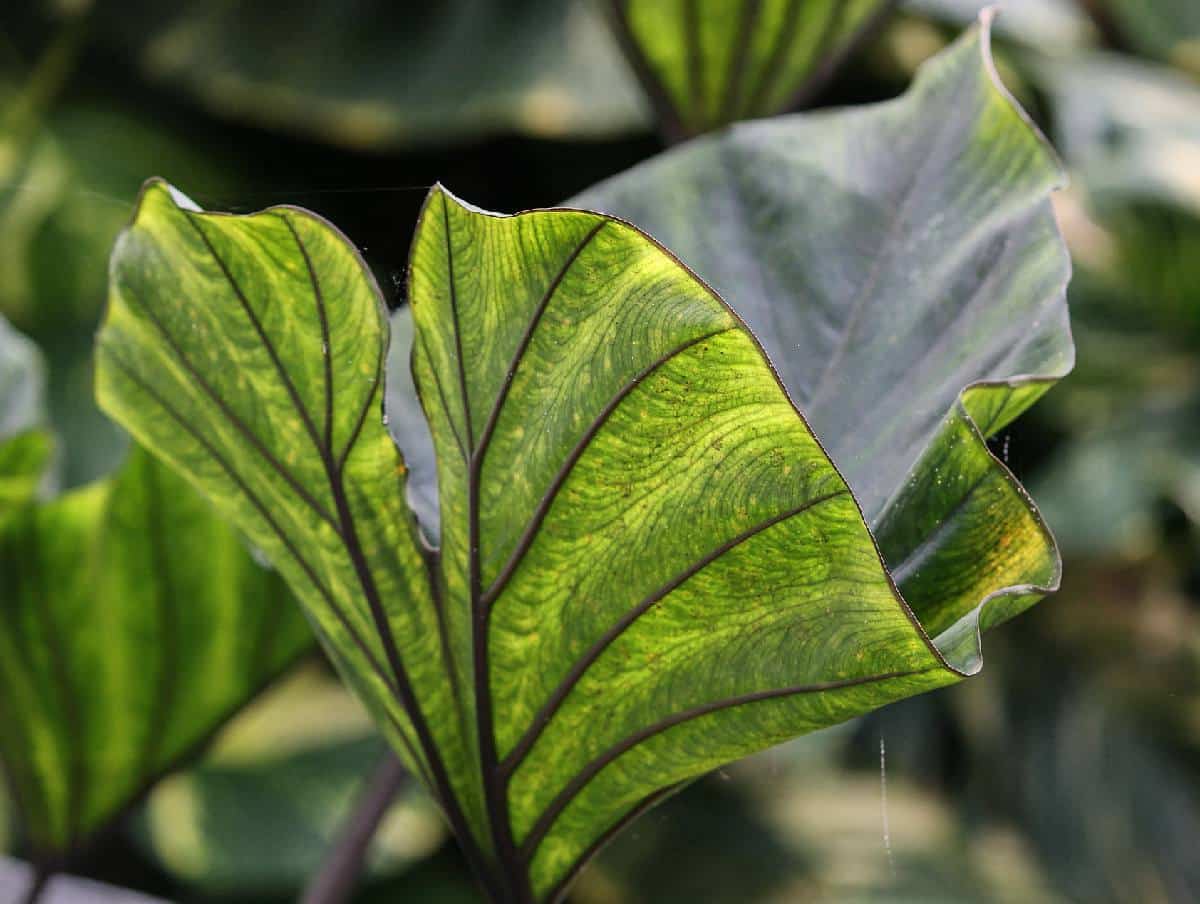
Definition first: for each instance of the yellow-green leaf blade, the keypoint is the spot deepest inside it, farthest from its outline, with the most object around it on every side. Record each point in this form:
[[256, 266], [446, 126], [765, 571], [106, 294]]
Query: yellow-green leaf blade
[[248, 352], [122, 649], [663, 569]]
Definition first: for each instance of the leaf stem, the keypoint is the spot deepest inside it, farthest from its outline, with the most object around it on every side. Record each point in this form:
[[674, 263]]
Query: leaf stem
[[335, 880]]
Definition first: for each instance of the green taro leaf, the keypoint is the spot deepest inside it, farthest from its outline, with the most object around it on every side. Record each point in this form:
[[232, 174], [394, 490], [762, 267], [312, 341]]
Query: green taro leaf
[[133, 623], [25, 445], [705, 63], [645, 564]]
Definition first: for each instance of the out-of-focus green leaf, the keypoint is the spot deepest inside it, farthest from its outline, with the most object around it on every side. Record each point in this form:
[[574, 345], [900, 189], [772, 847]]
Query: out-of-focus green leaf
[[1130, 129], [62, 204], [368, 73], [713, 844], [1101, 492], [902, 267], [705, 63], [134, 624], [291, 769], [25, 446]]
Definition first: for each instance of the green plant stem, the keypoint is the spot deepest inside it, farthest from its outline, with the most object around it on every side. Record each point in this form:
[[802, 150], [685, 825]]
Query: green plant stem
[[337, 877]]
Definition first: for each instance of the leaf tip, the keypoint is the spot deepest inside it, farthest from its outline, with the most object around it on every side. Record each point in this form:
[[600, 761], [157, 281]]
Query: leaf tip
[[984, 31]]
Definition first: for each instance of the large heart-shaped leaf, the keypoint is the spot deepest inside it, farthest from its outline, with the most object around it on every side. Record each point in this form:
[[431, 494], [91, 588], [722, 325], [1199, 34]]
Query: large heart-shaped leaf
[[133, 623], [704, 63], [25, 445], [645, 565]]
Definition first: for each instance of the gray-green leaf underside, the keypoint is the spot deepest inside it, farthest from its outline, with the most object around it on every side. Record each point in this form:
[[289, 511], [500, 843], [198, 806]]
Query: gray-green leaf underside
[[133, 623], [25, 444], [645, 565], [704, 63]]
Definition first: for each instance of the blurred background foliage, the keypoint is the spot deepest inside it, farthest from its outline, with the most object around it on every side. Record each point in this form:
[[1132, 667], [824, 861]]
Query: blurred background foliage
[[1069, 771]]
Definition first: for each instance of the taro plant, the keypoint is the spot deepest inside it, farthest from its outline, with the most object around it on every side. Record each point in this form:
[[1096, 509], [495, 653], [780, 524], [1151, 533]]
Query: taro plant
[[637, 548]]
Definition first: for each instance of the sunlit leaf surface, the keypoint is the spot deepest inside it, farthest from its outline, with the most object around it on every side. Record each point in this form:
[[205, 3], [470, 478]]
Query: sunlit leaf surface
[[133, 623]]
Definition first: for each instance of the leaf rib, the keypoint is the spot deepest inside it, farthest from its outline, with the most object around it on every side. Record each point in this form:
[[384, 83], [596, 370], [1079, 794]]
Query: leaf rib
[[535, 522], [252, 315], [458, 351], [695, 61], [230, 415], [646, 803], [556, 699], [349, 531], [309, 572], [437, 383], [166, 599], [494, 784], [526, 338], [670, 117], [895, 224], [403, 686], [555, 808], [930, 544], [741, 50], [784, 38], [323, 316]]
